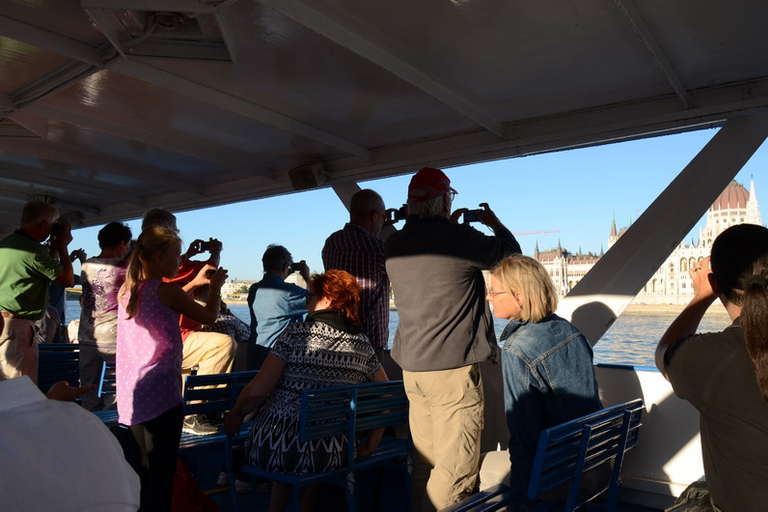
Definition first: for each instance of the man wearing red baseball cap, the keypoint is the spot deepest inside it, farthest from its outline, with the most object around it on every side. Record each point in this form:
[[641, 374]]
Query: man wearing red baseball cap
[[445, 332]]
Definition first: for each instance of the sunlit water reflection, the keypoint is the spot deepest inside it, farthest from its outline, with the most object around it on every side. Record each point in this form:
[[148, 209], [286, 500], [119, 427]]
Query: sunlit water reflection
[[631, 339]]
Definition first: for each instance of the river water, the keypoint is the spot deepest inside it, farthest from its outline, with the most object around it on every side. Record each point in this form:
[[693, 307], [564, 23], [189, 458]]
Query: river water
[[631, 340]]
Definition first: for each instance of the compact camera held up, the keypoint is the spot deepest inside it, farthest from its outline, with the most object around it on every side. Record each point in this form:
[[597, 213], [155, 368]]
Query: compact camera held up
[[470, 216], [397, 214]]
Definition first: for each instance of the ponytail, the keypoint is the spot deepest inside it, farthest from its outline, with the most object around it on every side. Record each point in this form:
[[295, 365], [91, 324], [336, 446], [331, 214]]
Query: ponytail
[[152, 240], [754, 322], [740, 266]]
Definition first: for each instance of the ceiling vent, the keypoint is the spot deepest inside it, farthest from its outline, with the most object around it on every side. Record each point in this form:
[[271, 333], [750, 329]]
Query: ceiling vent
[[190, 30]]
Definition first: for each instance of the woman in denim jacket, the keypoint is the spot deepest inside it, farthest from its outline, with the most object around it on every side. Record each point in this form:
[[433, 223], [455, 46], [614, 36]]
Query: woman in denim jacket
[[546, 361]]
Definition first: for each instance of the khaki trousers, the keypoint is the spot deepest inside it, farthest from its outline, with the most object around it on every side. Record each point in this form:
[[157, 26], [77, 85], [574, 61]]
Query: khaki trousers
[[211, 352], [18, 349], [446, 419]]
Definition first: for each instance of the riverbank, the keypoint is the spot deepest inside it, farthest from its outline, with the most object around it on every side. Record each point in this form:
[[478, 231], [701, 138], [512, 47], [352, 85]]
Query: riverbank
[[632, 309], [669, 309]]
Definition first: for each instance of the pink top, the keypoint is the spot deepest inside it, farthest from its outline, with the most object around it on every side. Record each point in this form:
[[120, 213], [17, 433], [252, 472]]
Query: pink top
[[148, 358]]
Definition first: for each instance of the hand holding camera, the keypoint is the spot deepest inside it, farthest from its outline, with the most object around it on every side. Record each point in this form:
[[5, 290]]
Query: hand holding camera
[[484, 215], [302, 268], [397, 214]]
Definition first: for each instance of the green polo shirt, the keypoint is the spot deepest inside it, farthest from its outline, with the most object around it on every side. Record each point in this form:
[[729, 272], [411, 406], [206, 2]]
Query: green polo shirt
[[26, 270]]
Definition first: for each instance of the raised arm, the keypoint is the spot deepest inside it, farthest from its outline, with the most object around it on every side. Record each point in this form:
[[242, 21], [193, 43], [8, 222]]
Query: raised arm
[[689, 319], [174, 297]]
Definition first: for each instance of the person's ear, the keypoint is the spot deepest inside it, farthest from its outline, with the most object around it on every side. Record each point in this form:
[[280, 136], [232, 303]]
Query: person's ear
[[713, 284]]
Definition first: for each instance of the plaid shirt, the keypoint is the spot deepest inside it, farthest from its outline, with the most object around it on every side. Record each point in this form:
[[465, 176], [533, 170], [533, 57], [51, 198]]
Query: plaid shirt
[[358, 252]]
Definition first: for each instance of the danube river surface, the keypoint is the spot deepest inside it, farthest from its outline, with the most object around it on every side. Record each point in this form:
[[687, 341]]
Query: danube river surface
[[631, 339]]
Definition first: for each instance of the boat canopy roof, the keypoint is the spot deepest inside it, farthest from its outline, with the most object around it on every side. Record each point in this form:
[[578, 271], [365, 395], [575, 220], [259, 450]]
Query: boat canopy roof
[[111, 107]]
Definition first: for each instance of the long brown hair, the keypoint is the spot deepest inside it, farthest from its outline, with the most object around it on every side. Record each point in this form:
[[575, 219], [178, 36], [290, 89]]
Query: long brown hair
[[152, 240], [740, 267], [342, 288]]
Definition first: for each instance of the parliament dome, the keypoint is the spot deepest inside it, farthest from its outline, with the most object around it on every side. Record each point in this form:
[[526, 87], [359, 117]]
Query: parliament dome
[[733, 197]]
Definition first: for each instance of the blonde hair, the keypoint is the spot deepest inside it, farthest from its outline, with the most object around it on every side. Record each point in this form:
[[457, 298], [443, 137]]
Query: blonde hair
[[518, 273], [153, 239]]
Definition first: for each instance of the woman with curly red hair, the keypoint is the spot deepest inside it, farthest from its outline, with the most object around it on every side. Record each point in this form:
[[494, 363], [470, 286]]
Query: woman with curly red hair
[[328, 349]]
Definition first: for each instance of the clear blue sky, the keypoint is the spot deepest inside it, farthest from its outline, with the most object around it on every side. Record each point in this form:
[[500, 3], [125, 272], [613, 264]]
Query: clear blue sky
[[574, 192]]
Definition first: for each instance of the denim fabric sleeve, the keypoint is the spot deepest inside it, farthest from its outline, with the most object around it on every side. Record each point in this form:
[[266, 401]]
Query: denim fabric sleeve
[[524, 420]]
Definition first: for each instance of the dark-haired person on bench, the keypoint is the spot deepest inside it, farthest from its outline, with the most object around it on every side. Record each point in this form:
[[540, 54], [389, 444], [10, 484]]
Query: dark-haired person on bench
[[328, 349], [547, 366]]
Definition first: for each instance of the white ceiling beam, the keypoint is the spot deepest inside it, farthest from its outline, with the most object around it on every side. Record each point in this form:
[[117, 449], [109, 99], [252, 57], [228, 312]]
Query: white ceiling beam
[[33, 124], [97, 162], [129, 127], [6, 103], [636, 21], [50, 41], [631, 120], [158, 5], [335, 26], [10, 130], [85, 54], [31, 175], [164, 79]]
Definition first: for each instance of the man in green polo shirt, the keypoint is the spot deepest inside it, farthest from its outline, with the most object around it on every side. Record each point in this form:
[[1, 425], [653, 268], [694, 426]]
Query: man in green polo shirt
[[26, 269]]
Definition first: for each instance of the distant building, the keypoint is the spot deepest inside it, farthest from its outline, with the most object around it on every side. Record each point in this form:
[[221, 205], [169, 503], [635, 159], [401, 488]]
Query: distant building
[[671, 283], [237, 289], [565, 268]]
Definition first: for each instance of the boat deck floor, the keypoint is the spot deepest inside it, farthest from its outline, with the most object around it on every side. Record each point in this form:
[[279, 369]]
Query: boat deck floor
[[380, 490], [331, 499]]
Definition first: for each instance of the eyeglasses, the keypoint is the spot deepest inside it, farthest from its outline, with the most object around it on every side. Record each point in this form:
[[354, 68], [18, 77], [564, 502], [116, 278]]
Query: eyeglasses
[[452, 193], [491, 292]]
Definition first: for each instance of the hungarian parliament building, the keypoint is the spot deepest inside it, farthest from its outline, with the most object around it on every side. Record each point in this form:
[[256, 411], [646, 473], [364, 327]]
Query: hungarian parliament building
[[671, 283]]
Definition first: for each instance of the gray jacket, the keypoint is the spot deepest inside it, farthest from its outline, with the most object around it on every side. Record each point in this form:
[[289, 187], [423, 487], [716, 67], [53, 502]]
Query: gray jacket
[[435, 268]]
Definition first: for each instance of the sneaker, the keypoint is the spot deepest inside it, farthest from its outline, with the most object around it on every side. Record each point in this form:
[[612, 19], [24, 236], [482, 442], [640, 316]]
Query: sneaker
[[198, 425], [242, 487], [223, 480]]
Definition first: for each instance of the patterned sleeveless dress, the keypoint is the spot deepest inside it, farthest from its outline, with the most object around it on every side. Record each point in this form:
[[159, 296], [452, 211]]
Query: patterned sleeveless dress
[[315, 355]]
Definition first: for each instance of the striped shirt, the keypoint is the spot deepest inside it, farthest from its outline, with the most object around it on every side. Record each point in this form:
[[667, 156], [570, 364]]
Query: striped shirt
[[358, 252]]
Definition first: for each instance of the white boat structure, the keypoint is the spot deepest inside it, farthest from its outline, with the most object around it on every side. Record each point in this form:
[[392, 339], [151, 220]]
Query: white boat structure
[[111, 107]]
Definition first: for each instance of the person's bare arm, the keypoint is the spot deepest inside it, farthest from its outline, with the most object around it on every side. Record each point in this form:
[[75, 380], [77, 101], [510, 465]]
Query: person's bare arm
[[174, 297], [689, 319], [66, 277], [254, 393]]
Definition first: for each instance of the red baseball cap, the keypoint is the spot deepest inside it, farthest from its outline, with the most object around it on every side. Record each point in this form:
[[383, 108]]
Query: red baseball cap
[[432, 181]]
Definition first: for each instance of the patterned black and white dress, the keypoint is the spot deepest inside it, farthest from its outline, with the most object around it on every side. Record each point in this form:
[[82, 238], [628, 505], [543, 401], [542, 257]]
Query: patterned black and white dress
[[326, 350]]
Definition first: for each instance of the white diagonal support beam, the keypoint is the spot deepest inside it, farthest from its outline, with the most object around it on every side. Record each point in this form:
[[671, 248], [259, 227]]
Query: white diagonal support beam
[[636, 21], [164, 79], [70, 155], [360, 40], [128, 127], [600, 297]]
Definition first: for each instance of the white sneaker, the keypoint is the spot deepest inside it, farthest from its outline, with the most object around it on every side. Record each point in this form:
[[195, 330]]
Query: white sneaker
[[223, 480], [242, 486], [198, 425]]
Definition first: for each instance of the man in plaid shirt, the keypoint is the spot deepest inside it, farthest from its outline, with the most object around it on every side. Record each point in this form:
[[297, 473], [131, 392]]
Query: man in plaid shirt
[[358, 250]]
